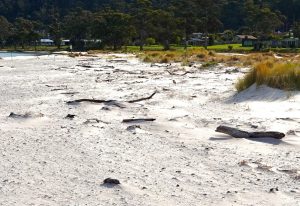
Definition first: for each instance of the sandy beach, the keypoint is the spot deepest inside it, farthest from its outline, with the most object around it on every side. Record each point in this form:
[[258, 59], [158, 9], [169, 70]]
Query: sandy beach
[[58, 154]]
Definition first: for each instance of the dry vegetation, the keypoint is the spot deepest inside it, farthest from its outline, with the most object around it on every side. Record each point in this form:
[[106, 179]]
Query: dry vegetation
[[204, 56], [276, 74], [275, 70], [280, 71]]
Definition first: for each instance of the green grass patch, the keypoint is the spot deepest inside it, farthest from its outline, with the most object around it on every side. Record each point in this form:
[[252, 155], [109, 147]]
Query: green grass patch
[[37, 48]]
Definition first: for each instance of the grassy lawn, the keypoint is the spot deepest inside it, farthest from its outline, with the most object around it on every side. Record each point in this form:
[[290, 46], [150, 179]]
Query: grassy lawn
[[37, 48], [217, 48], [225, 47]]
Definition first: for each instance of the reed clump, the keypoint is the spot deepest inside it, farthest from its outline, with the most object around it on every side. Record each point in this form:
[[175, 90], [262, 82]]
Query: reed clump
[[275, 74]]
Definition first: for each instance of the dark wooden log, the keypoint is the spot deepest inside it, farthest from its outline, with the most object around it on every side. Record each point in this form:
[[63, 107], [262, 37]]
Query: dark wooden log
[[143, 99], [139, 120], [90, 100], [236, 133], [98, 101]]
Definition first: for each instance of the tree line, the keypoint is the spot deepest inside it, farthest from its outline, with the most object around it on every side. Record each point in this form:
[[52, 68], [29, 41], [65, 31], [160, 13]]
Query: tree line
[[122, 22]]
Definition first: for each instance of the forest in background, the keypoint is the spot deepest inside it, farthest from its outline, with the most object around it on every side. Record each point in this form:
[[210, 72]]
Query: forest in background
[[124, 22]]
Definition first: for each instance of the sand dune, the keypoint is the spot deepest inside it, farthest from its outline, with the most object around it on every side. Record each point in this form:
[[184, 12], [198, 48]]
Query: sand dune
[[50, 158]]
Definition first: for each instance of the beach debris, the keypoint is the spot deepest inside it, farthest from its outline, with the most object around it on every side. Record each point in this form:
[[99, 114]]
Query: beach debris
[[117, 61], [84, 65], [90, 100], [178, 74], [111, 181], [236, 133], [24, 116], [14, 115], [111, 102], [70, 116], [272, 190], [133, 127], [143, 99], [97, 101], [138, 120], [95, 121]]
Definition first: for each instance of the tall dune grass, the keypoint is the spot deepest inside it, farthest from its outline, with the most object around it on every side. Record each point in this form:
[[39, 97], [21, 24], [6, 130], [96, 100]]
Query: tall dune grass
[[281, 75]]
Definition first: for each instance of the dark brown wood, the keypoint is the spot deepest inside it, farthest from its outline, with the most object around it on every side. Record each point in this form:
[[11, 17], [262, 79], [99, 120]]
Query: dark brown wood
[[143, 99], [90, 100], [173, 73], [98, 101], [139, 120], [236, 133]]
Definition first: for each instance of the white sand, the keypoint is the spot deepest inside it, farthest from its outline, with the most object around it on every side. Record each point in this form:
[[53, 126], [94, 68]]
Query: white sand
[[47, 159]]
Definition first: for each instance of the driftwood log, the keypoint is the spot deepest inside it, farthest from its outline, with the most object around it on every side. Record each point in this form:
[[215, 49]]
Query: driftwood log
[[236, 133], [97, 101], [143, 99], [139, 120], [91, 100]]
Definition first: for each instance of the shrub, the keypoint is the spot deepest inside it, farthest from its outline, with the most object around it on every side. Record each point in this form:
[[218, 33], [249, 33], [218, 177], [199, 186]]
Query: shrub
[[277, 75], [201, 56], [150, 41], [165, 60], [230, 47]]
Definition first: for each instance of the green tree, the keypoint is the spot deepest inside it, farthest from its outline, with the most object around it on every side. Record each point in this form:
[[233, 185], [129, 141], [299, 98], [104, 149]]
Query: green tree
[[296, 29], [55, 28], [165, 26], [141, 13], [5, 30], [228, 35], [24, 29], [113, 28], [77, 26], [262, 20]]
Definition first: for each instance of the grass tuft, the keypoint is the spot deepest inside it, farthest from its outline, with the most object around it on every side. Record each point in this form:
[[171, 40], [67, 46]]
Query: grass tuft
[[280, 75]]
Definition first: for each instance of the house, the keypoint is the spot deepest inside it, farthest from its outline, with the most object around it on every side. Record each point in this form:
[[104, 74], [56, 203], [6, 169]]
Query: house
[[65, 42], [197, 39], [46, 42], [290, 42], [246, 40]]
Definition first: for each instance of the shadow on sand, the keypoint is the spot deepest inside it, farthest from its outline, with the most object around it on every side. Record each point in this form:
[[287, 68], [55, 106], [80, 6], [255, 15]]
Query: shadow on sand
[[261, 140]]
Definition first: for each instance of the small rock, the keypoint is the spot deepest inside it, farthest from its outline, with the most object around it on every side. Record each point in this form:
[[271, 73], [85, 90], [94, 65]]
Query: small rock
[[111, 181], [291, 132], [274, 189], [254, 126], [133, 127]]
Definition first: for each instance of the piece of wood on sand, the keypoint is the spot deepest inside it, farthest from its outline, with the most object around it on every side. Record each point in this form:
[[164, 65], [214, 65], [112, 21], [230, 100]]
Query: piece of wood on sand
[[97, 101], [138, 120], [236, 133], [143, 99]]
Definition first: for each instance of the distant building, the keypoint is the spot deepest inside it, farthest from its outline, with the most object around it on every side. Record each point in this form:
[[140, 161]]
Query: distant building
[[290, 43], [46, 42], [246, 40], [65, 42], [197, 39]]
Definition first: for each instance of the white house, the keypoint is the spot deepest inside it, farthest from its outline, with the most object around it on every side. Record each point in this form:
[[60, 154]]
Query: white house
[[65, 42], [46, 42]]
